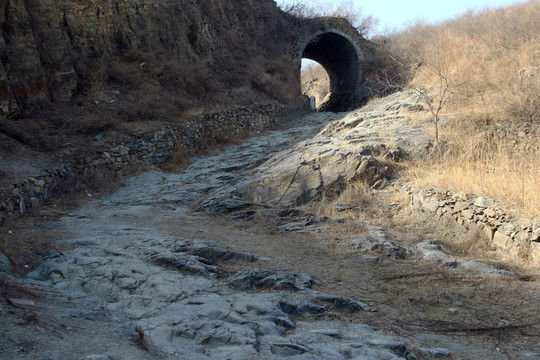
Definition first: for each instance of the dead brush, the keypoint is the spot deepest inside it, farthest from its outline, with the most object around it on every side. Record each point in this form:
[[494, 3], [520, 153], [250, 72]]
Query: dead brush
[[493, 118], [73, 190], [177, 160], [354, 195]]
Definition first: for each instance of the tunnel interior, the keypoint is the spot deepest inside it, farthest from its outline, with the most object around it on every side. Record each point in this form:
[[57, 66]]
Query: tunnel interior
[[339, 57]]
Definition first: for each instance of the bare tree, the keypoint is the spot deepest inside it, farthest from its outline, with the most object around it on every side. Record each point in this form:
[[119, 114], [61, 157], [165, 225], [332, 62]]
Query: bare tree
[[447, 82], [298, 8], [345, 9]]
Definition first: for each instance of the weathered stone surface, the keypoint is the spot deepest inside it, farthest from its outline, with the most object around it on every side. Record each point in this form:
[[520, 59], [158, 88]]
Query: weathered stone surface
[[5, 264], [431, 205], [264, 279], [483, 203], [436, 353], [338, 302], [376, 240], [536, 235], [26, 304], [467, 214], [501, 240], [432, 250], [487, 269], [490, 212], [507, 229], [213, 251], [345, 151], [460, 206]]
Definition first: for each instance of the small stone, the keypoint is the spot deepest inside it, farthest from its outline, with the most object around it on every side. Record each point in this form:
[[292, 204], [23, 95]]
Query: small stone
[[34, 202], [507, 229], [22, 303], [483, 203], [489, 232]]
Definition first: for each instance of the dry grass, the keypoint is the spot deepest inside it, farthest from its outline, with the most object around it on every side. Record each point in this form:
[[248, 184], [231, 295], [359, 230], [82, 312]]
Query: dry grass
[[493, 58], [354, 195], [510, 177]]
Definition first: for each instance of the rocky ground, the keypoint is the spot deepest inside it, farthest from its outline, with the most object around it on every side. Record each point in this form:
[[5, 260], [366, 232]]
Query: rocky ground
[[255, 253]]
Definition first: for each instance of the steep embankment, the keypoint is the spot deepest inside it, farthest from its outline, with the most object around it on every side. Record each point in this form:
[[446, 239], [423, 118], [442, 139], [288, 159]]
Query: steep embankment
[[80, 77], [188, 52], [73, 70]]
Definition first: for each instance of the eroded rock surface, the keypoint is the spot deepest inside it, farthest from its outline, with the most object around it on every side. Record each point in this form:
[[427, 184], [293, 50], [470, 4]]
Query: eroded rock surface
[[170, 296], [135, 276], [346, 150]]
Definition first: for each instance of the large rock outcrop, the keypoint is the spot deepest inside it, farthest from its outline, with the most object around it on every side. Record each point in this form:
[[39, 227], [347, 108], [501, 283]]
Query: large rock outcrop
[[353, 148]]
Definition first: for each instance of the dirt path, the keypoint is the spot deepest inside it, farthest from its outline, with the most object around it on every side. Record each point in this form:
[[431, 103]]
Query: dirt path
[[140, 275]]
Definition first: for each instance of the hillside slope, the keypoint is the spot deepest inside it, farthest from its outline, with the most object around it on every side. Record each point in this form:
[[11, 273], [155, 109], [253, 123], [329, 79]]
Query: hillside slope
[[71, 71], [191, 51]]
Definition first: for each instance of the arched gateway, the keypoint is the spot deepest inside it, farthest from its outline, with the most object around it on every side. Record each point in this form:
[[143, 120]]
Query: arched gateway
[[338, 47], [340, 57]]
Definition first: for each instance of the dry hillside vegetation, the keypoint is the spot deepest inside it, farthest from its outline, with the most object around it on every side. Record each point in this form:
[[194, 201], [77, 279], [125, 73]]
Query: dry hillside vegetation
[[315, 82], [487, 66], [174, 60]]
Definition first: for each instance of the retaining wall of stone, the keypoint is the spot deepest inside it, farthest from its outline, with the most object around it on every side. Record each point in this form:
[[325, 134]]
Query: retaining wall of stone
[[517, 236], [148, 148]]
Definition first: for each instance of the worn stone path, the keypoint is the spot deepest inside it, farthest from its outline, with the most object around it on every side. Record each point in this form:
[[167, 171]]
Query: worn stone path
[[141, 276], [163, 296]]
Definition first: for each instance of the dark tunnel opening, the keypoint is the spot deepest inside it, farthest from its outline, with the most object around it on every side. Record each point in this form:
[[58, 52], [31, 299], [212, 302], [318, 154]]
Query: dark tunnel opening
[[339, 57]]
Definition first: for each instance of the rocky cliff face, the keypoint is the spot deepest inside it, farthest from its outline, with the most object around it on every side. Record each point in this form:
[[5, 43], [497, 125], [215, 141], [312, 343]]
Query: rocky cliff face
[[53, 51]]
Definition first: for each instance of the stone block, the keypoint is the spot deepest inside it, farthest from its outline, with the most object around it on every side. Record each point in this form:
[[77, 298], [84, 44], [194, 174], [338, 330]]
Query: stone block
[[507, 229], [483, 203], [460, 205], [501, 240], [467, 214], [490, 213], [431, 205], [5, 264]]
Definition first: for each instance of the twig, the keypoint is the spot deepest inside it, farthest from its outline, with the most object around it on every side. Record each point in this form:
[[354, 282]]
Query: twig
[[487, 329]]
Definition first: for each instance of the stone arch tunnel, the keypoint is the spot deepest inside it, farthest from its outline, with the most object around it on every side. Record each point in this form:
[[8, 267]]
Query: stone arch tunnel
[[339, 56], [338, 47]]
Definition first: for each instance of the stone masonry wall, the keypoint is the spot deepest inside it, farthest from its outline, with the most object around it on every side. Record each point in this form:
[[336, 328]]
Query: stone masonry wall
[[517, 236], [148, 148]]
